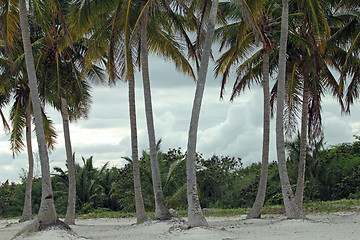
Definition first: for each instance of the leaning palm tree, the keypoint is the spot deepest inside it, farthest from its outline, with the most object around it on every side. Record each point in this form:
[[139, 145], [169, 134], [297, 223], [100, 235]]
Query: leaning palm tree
[[14, 75], [156, 36], [112, 35], [47, 214], [50, 61], [195, 216]]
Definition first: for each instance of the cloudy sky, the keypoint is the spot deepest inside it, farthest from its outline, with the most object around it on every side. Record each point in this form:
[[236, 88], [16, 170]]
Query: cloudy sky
[[225, 128]]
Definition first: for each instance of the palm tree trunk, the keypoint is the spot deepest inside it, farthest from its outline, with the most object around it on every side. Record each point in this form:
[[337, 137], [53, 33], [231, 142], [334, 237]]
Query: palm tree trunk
[[292, 210], [256, 209], [47, 213], [27, 211], [299, 194], [70, 212], [161, 211], [195, 216], [139, 203]]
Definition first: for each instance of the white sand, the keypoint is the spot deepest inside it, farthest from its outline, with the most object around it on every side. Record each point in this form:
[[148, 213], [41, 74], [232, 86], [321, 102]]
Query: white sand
[[337, 226]]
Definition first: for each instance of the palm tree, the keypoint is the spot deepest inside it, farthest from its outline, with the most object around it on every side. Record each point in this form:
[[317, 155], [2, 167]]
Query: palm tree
[[348, 40], [291, 207], [47, 213], [195, 216], [240, 40], [310, 58], [162, 41], [15, 80], [161, 211], [112, 35], [20, 116], [158, 40], [66, 70]]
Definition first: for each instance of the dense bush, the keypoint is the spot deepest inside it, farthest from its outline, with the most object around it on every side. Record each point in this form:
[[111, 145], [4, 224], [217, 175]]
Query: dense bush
[[223, 182]]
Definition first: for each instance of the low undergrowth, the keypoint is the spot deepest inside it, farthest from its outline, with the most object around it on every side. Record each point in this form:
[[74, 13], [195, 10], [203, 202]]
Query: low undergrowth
[[345, 205]]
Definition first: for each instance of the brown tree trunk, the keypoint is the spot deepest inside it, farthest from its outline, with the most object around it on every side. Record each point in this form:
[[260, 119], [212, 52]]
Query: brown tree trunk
[[70, 212], [139, 203], [27, 211], [299, 194], [256, 209], [195, 215], [161, 211]]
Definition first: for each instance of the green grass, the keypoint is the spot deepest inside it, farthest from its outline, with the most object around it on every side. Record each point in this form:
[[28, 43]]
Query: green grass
[[345, 205]]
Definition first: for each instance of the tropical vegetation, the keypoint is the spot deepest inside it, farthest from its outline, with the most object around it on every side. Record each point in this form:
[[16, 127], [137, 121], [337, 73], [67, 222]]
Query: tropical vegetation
[[332, 174], [50, 50]]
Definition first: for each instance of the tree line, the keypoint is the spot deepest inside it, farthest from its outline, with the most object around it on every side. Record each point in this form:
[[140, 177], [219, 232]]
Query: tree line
[[223, 182], [51, 50]]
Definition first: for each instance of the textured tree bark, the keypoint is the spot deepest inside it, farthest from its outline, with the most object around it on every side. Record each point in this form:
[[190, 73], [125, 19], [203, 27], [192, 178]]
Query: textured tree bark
[[292, 210], [27, 211], [256, 209], [299, 194], [161, 210], [195, 215], [47, 213], [70, 212]]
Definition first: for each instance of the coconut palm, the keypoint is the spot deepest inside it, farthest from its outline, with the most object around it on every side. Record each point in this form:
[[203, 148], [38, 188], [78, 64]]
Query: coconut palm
[[241, 40], [165, 45], [15, 75], [47, 213], [110, 36], [311, 58], [195, 216], [347, 41], [161, 211], [292, 210], [20, 115], [158, 40]]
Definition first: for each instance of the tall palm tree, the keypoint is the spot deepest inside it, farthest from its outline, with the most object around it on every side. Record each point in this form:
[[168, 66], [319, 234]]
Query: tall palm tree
[[291, 207], [195, 216], [311, 57], [313, 28], [67, 72], [161, 211], [140, 209], [112, 35], [241, 39], [47, 213], [14, 74], [158, 38]]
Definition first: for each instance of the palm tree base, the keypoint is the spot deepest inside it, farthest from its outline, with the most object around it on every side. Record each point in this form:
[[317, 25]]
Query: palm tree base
[[59, 224], [36, 226], [197, 220], [25, 218]]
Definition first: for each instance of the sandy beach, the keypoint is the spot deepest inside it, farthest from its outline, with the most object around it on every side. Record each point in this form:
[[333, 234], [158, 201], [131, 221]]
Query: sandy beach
[[336, 226]]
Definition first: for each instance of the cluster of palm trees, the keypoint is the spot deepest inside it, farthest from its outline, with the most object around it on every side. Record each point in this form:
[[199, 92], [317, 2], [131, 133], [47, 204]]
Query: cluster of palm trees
[[51, 50]]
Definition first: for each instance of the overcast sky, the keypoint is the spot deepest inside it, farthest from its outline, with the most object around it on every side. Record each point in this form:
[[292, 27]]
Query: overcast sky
[[225, 128]]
